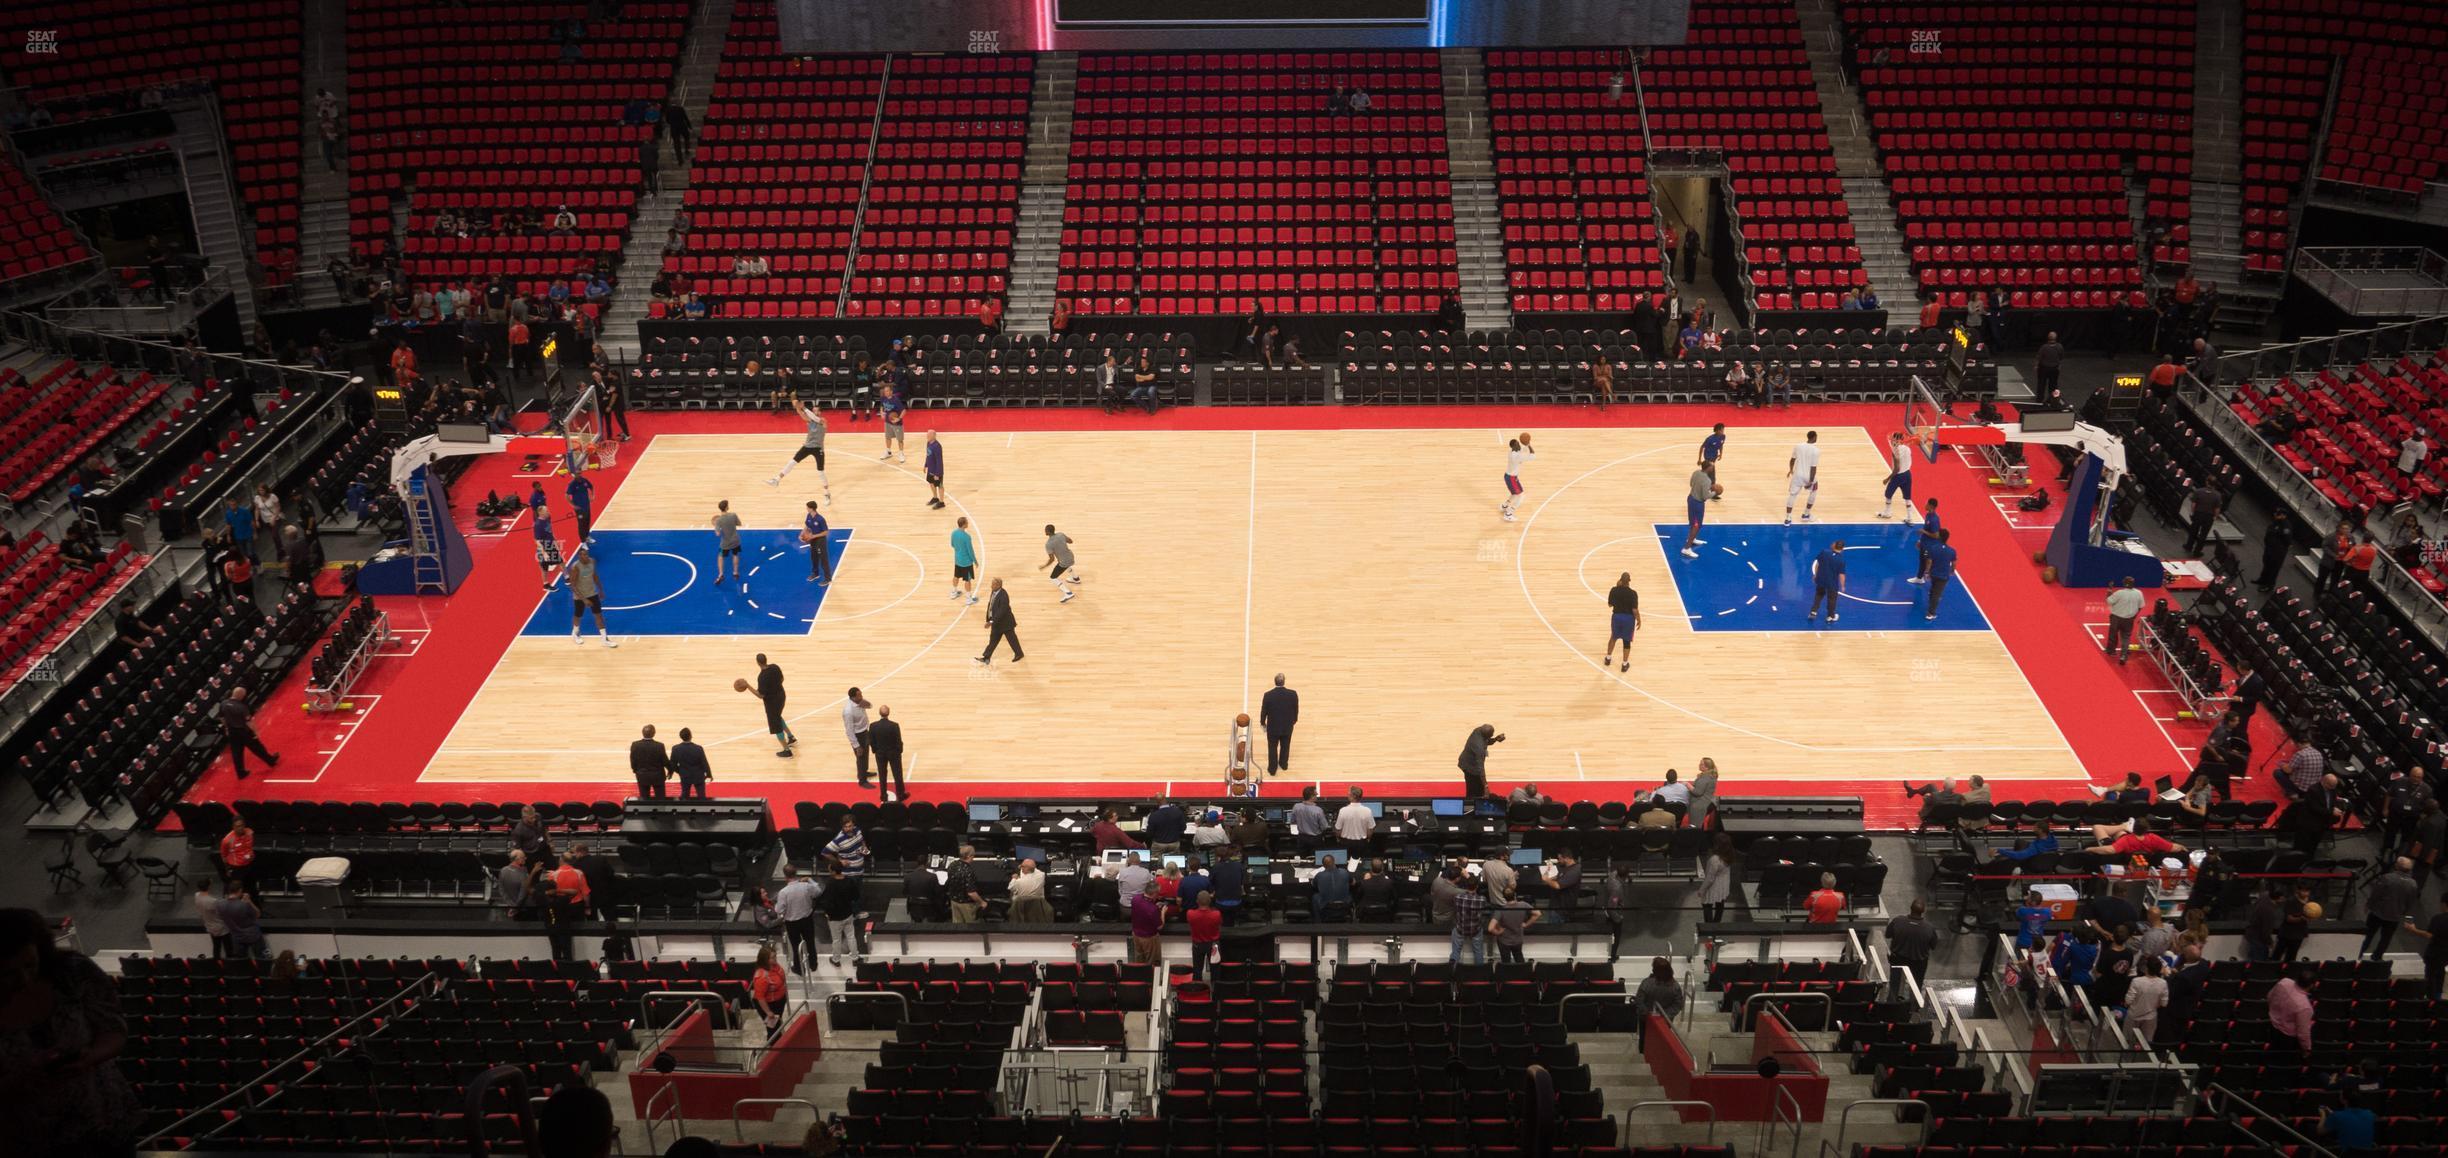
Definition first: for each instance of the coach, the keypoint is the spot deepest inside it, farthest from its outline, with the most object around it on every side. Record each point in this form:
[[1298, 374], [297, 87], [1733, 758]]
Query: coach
[[649, 763], [1278, 710]]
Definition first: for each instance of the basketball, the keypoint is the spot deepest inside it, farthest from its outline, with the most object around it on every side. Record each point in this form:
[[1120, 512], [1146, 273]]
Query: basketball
[[1717, 491], [739, 685], [1241, 721], [2312, 910], [752, 367], [807, 536]]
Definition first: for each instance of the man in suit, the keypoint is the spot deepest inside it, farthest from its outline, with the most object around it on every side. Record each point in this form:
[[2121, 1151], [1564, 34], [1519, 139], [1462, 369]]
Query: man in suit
[[1474, 762], [884, 740], [1278, 710], [688, 762], [650, 764], [999, 622]]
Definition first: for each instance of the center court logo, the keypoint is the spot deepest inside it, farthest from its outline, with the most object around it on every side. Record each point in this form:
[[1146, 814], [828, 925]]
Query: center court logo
[[1491, 550]]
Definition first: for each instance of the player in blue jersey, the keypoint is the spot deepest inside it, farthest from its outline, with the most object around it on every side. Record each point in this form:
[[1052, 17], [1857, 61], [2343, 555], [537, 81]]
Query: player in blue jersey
[[1827, 579], [1941, 571], [1930, 526], [1712, 448], [817, 534], [548, 552]]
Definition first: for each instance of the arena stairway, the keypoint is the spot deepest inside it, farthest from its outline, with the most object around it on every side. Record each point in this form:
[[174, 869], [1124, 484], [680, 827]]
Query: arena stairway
[[693, 88]]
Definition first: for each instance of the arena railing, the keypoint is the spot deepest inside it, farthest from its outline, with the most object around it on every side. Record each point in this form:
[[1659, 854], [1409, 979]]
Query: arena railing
[[2421, 609], [228, 1109]]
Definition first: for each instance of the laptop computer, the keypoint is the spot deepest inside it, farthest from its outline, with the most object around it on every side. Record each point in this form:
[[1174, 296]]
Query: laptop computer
[[1340, 856], [1445, 807], [985, 813], [1527, 858], [1021, 852], [2165, 787]]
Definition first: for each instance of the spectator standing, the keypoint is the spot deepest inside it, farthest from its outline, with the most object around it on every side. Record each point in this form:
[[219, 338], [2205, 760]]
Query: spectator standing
[[1615, 897], [1206, 930], [769, 988], [244, 922], [2204, 502], [513, 883], [1470, 921], [2124, 603], [884, 740], [650, 164], [2145, 998], [2261, 923], [2389, 904], [1147, 917], [840, 905], [1659, 993], [208, 910], [683, 134], [2435, 949], [1308, 821], [1509, 921], [568, 901], [796, 905], [237, 851], [2290, 1011], [960, 885], [1355, 824], [2046, 365], [60, 1031], [1910, 940], [849, 848], [1716, 878], [1164, 828]]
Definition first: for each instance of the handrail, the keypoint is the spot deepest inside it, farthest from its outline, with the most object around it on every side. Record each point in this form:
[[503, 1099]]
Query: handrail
[[739, 1133], [1827, 1000], [1844, 1118], [2009, 1073], [833, 999], [1711, 1107], [677, 1117], [721, 1003], [1778, 1099], [858, 214], [1912, 986], [252, 1089], [2259, 1114]]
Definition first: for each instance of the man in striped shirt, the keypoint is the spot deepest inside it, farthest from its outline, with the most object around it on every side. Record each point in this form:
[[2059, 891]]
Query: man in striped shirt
[[850, 848]]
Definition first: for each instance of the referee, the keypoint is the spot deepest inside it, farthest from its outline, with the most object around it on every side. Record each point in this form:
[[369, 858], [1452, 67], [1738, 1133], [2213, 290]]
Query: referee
[[1623, 605]]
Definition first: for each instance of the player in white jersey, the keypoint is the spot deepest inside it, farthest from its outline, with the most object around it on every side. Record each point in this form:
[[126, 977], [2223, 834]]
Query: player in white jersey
[[1518, 453], [1802, 474], [1899, 481], [812, 448]]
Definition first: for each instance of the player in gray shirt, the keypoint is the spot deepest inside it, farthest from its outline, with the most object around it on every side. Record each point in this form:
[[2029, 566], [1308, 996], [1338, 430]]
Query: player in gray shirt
[[726, 535], [1058, 557], [811, 447]]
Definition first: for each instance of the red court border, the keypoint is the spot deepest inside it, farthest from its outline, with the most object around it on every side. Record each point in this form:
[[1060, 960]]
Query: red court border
[[379, 753]]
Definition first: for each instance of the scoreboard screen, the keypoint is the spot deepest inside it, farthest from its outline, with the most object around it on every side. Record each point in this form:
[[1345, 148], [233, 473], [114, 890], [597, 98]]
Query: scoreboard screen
[[1109, 13]]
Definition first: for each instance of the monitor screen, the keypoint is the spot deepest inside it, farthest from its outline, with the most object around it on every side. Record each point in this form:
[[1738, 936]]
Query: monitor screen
[[1259, 862], [1445, 807], [1488, 807], [1337, 855], [1273, 815], [1176, 860], [1376, 809], [1021, 852], [1527, 856], [985, 813]]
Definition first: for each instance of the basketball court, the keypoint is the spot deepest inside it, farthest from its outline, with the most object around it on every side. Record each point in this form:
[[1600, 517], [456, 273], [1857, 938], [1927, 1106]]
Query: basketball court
[[1367, 562]]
